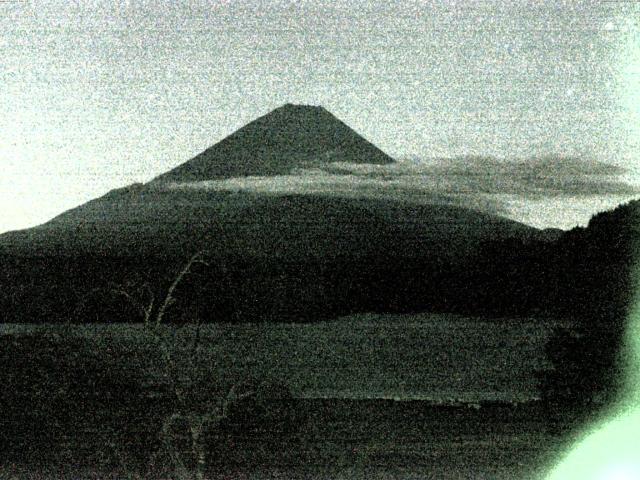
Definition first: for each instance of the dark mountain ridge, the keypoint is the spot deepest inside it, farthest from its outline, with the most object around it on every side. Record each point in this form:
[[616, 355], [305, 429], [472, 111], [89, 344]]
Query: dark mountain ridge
[[292, 257], [281, 253], [288, 137], [147, 219]]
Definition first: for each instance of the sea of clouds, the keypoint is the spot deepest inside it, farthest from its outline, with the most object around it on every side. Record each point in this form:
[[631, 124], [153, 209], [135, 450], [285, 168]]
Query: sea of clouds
[[556, 192]]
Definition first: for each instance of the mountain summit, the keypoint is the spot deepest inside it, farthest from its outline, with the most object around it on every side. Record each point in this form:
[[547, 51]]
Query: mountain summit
[[288, 137], [273, 256]]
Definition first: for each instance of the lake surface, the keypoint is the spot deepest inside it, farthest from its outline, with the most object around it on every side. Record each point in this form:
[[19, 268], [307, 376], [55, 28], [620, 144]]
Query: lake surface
[[442, 358]]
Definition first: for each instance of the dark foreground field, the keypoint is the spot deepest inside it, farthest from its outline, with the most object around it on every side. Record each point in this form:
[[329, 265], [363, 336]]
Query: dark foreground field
[[427, 356], [346, 439], [92, 405]]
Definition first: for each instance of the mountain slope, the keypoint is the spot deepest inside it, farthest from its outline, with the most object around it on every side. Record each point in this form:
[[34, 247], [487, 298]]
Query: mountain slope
[[146, 219], [288, 137], [284, 257], [271, 256]]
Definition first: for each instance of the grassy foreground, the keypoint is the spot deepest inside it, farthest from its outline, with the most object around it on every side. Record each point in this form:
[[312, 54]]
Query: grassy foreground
[[436, 358], [346, 439]]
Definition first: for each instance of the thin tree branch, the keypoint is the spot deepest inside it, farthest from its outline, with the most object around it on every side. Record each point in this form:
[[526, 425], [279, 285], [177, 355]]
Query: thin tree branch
[[169, 299]]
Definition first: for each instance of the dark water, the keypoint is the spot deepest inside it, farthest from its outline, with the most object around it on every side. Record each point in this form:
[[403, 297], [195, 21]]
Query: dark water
[[434, 357]]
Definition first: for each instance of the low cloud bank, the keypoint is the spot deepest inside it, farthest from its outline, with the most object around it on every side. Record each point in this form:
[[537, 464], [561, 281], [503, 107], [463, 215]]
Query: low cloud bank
[[546, 176], [484, 183]]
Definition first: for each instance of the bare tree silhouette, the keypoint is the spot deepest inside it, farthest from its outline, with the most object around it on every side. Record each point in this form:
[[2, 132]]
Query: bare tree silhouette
[[183, 371]]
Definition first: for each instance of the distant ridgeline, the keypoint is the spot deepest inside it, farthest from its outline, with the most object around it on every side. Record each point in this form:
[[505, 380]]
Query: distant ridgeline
[[303, 257]]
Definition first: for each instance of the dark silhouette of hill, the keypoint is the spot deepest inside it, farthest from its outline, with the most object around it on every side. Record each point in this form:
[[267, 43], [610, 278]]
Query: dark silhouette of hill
[[146, 220], [588, 275], [272, 257], [286, 257], [584, 274], [302, 257], [597, 283], [288, 137]]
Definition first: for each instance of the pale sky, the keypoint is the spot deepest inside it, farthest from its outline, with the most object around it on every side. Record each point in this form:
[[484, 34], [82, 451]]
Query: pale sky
[[95, 95]]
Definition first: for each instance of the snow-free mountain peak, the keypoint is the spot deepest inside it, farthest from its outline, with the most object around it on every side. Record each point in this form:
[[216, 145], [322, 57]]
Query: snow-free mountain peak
[[289, 137]]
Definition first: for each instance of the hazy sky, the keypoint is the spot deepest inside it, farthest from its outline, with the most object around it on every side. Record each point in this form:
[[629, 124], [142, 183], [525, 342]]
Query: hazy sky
[[95, 95]]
